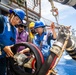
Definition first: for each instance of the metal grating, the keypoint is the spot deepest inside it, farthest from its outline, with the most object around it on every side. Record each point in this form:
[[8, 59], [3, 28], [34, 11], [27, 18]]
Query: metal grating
[[34, 5]]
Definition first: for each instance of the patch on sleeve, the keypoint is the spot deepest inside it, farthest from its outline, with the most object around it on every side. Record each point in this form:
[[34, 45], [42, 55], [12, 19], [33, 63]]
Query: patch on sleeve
[[8, 25]]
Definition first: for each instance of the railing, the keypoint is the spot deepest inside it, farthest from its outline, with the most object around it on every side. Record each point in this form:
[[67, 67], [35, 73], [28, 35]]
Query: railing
[[34, 11]]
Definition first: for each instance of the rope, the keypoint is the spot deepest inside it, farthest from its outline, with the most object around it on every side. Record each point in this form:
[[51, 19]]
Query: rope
[[54, 11], [63, 48], [36, 2]]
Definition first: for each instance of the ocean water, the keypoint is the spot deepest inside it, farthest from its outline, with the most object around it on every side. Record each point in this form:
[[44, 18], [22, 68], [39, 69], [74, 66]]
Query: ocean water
[[66, 65]]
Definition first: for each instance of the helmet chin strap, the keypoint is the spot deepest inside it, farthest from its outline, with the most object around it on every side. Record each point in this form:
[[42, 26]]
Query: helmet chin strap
[[12, 19]]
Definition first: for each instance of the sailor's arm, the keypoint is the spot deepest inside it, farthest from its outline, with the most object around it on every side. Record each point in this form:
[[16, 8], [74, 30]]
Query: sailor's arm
[[53, 30], [1, 24]]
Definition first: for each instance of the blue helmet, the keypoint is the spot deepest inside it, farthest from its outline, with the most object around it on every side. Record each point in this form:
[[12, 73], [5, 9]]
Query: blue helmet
[[39, 24], [19, 12]]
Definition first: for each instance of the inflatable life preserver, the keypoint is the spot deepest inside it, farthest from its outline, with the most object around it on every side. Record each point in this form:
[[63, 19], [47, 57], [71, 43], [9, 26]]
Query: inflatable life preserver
[[20, 70]]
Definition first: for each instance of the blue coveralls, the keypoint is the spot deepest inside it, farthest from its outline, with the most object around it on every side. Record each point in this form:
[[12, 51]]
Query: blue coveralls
[[43, 42], [7, 38]]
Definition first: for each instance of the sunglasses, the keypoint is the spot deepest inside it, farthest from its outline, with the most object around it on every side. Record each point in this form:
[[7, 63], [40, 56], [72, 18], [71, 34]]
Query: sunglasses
[[21, 26]]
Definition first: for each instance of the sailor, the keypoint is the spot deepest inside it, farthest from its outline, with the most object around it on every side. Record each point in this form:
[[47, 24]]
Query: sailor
[[42, 39], [22, 34], [31, 31], [8, 35]]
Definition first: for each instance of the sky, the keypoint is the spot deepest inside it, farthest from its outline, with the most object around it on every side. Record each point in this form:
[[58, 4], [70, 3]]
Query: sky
[[67, 14]]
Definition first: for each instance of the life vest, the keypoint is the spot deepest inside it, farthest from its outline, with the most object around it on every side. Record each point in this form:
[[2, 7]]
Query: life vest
[[42, 43], [8, 36]]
